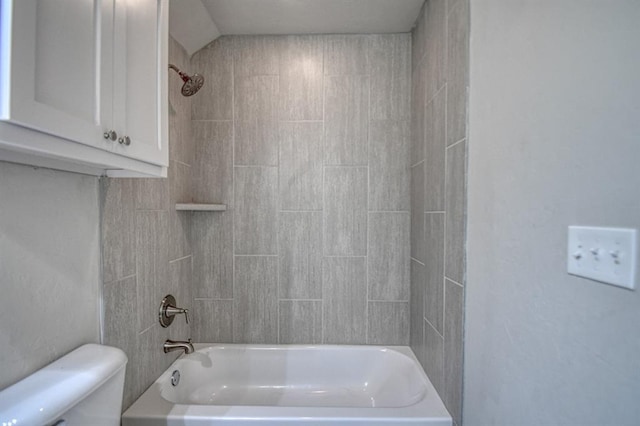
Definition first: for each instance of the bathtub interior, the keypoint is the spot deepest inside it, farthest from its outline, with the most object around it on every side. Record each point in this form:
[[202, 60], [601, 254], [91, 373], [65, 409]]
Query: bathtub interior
[[295, 376]]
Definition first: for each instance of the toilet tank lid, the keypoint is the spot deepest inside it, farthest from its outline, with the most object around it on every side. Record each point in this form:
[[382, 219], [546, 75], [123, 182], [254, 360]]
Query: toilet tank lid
[[51, 391]]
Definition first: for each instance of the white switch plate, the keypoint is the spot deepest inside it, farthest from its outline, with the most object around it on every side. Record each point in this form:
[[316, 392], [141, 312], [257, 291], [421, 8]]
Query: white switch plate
[[607, 255]]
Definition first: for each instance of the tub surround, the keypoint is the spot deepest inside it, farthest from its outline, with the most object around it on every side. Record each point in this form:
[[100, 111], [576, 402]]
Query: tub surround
[[438, 195], [306, 140]]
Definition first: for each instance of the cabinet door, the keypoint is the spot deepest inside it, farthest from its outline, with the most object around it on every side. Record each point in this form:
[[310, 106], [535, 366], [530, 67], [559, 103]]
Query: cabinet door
[[140, 79], [55, 75]]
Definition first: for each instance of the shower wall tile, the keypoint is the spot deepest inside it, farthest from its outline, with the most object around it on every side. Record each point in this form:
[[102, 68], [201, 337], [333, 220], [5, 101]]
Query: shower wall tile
[[458, 71], [388, 256], [151, 194], [345, 211], [434, 296], [416, 305], [300, 248], [435, 145], [255, 302], [212, 237], [434, 360], [346, 55], [118, 229], [179, 222], [213, 321], [418, 102], [453, 345], [256, 120], [256, 205], [418, 40], [346, 120], [178, 285], [256, 55], [389, 173], [301, 78], [300, 322], [388, 323], [215, 63], [418, 248], [436, 45], [344, 300], [455, 212], [152, 263], [390, 58], [300, 172], [212, 171]]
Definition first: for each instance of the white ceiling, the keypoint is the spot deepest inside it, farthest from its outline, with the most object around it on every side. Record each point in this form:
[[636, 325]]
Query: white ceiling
[[313, 16]]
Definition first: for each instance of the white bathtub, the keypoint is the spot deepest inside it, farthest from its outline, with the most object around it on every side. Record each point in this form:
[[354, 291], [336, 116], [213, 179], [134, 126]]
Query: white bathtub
[[240, 385]]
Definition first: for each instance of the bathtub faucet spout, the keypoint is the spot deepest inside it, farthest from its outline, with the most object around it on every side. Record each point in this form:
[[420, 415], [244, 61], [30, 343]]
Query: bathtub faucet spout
[[173, 345]]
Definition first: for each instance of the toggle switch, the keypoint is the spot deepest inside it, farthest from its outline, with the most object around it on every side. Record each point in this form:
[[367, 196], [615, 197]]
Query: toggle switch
[[613, 255]]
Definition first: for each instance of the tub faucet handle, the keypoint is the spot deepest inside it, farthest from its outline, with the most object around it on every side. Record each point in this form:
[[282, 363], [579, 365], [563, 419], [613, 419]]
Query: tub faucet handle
[[168, 311]]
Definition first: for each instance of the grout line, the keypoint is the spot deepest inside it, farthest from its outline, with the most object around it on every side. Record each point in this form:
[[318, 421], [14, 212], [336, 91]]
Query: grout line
[[233, 192], [300, 121], [300, 211], [346, 166], [456, 143], [453, 282], [322, 158], [216, 121], [417, 261], [435, 95], [180, 258], [253, 166], [301, 300], [347, 257], [390, 211], [255, 255], [417, 164], [434, 329], [388, 301], [444, 225], [367, 192], [212, 299], [434, 212]]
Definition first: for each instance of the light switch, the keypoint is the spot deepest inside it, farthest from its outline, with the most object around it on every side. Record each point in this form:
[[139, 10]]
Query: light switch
[[607, 255]]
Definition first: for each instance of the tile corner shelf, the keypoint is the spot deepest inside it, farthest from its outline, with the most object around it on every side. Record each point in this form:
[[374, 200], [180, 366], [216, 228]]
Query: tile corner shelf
[[201, 207]]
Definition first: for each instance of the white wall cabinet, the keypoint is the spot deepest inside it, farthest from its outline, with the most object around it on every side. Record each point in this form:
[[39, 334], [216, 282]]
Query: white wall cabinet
[[83, 85]]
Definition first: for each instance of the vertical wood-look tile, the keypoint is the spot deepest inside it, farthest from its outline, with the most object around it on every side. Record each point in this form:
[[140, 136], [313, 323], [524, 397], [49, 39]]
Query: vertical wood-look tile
[[458, 60], [416, 305], [346, 55], [151, 193], [434, 360], [418, 40], [255, 303], [388, 256], [180, 143], [388, 323], [118, 229], [344, 300], [390, 59], [256, 120], [417, 213], [212, 171], [255, 212], [300, 248], [455, 204], [301, 78], [346, 120], [179, 222], [300, 322], [418, 103], [436, 45], [434, 296], [214, 101], [213, 321], [256, 55], [212, 239], [179, 285], [453, 347], [152, 263], [345, 211], [435, 145], [300, 169], [389, 169]]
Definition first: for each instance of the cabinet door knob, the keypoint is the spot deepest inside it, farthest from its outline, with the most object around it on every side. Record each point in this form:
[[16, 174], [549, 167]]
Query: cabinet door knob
[[111, 135], [125, 141]]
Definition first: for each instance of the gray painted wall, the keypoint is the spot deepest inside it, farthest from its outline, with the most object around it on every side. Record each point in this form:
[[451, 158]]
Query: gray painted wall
[[146, 250], [49, 267], [306, 139], [438, 197], [554, 108]]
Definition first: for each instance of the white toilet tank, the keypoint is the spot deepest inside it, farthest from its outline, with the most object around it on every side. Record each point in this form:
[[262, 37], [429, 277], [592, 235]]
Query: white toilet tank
[[82, 388]]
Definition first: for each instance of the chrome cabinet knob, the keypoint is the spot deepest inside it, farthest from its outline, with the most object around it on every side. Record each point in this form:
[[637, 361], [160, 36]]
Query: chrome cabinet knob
[[125, 141], [110, 135]]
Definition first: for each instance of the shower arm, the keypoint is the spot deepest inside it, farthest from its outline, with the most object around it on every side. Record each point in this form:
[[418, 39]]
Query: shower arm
[[183, 76]]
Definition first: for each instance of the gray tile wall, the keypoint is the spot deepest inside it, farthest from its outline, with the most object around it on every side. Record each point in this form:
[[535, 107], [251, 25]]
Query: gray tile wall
[[440, 68], [146, 243], [307, 140]]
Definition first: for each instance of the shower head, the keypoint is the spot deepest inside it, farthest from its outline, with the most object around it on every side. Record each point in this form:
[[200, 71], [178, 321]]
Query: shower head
[[191, 83]]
